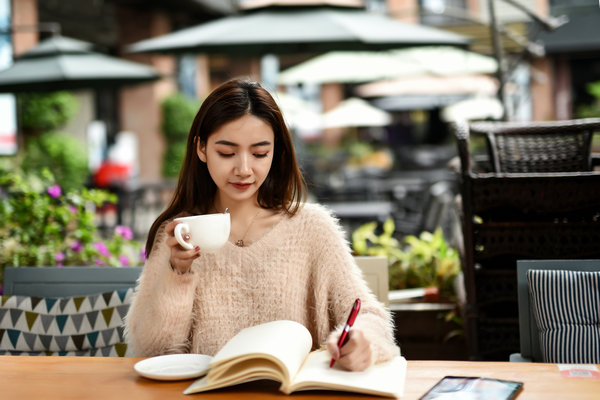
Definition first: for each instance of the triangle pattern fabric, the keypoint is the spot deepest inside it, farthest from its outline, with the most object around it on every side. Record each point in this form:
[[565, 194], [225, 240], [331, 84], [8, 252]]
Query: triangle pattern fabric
[[78, 341], [122, 310], [77, 319], [65, 326], [30, 340], [21, 300], [14, 315], [13, 335], [63, 303], [49, 303], [46, 341], [107, 296], [47, 320], [92, 337], [77, 301], [93, 299], [61, 320], [91, 317], [107, 314], [61, 341], [122, 294], [31, 317], [35, 301]]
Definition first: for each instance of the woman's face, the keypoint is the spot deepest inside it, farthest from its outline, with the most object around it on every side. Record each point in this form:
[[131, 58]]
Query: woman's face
[[239, 156]]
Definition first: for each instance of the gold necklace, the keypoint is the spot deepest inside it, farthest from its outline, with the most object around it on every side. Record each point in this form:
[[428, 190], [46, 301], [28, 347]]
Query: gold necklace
[[240, 242]]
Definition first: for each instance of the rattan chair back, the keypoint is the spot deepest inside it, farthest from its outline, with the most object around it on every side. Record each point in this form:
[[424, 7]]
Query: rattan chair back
[[552, 146]]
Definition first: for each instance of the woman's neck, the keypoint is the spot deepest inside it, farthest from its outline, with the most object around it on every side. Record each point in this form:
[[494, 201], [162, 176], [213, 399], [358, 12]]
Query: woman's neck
[[236, 208]]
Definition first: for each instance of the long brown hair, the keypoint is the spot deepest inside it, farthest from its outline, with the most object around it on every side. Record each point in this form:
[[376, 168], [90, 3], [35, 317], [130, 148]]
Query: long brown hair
[[283, 189]]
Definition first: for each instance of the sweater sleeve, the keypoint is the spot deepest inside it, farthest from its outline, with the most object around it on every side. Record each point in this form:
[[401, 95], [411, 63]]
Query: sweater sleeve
[[160, 317], [343, 280]]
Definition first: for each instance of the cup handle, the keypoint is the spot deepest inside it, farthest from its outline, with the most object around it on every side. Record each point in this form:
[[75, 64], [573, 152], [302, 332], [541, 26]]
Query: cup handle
[[177, 232]]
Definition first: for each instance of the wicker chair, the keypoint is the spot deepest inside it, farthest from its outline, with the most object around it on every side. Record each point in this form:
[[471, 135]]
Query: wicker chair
[[545, 213], [555, 146]]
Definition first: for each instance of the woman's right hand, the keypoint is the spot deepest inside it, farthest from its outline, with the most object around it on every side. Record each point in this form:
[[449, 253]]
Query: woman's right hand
[[181, 259]]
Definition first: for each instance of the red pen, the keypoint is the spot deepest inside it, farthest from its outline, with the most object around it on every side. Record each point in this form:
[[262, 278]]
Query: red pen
[[345, 333]]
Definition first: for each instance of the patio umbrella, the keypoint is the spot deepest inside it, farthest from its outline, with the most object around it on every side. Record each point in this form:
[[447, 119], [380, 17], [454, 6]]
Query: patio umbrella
[[430, 85], [281, 30], [299, 115], [61, 63], [355, 112], [354, 67], [475, 108]]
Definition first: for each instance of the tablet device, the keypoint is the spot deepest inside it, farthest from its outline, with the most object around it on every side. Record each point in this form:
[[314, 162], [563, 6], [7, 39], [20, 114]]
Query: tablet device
[[473, 388]]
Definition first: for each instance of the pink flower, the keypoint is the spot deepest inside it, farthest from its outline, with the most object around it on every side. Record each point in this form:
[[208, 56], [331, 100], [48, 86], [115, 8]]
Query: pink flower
[[124, 231], [124, 260], [143, 254], [102, 249], [54, 191], [76, 246], [59, 257], [73, 209]]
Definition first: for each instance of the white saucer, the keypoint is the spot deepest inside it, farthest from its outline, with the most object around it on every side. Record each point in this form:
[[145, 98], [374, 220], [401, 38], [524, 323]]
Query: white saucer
[[173, 367]]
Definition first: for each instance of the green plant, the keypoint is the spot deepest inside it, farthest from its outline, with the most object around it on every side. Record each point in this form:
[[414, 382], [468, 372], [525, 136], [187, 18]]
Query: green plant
[[42, 226], [46, 111], [423, 261], [42, 115], [173, 158], [62, 153], [178, 113], [590, 110]]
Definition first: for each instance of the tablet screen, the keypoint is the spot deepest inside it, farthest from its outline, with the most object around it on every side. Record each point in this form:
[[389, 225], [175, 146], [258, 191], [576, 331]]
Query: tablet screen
[[473, 388]]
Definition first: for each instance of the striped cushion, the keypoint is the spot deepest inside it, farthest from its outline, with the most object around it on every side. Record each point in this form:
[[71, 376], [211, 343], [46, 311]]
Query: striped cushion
[[566, 305], [80, 325]]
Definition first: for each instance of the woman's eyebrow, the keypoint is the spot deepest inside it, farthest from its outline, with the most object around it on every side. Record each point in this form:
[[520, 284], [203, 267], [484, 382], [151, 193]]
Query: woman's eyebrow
[[232, 144], [263, 143]]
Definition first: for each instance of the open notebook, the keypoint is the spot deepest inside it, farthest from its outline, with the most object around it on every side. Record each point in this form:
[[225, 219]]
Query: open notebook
[[280, 351]]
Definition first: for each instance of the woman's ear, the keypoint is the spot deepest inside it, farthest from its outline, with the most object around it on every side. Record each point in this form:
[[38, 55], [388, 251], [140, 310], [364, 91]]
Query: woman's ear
[[201, 150]]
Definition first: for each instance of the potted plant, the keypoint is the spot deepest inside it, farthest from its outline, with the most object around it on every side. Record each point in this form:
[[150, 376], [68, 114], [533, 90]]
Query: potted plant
[[423, 272], [43, 226]]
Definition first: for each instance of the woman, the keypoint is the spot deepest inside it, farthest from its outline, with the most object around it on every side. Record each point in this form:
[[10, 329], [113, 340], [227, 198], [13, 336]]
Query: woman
[[285, 259]]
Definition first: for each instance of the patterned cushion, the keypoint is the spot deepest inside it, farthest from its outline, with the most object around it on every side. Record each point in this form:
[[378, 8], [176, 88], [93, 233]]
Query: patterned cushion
[[566, 305], [80, 325]]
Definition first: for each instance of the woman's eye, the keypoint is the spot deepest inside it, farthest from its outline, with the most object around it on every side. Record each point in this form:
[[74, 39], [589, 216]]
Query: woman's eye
[[261, 155], [226, 155]]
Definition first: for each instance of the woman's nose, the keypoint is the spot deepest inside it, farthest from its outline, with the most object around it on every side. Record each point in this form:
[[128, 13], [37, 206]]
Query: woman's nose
[[244, 165]]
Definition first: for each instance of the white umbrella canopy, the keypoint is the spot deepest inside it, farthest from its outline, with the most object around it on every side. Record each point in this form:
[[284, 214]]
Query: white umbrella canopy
[[61, 63], [299, 115], [309, 29], [430, 85], [355, 112], [476, 108], [355, 67], [347, 67]]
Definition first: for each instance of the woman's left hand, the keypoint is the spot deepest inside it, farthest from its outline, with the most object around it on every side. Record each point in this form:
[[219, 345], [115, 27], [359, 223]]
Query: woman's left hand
[[356, 354]]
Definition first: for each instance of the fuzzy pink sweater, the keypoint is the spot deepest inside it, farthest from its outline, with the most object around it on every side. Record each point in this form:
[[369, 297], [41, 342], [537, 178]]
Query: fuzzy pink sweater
[[301, 270]]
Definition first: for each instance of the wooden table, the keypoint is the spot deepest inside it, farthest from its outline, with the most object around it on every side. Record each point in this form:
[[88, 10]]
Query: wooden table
[[83, 378]]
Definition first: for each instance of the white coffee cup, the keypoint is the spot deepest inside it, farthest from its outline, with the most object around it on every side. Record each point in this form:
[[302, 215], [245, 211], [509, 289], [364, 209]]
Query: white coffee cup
[[208, 231]]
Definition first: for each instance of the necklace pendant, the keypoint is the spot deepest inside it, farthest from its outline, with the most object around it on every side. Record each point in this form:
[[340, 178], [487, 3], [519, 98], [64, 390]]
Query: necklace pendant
[[240, 243]]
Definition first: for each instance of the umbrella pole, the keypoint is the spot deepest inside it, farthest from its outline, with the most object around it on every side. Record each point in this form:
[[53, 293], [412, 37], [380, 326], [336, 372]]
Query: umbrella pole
[[499, 55]]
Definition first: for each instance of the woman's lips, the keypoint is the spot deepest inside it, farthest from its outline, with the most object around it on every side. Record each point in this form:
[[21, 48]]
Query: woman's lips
[[241, 186]]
